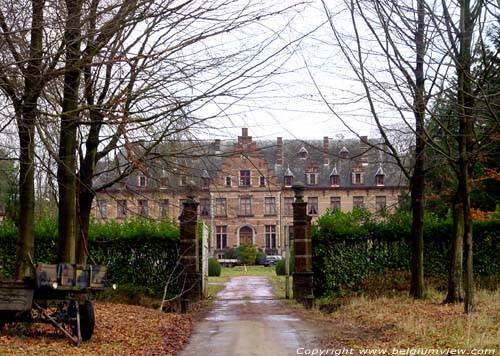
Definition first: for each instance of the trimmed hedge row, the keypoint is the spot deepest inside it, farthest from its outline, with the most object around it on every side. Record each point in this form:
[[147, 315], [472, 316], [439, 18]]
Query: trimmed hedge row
[[140, 252], [345, 251]]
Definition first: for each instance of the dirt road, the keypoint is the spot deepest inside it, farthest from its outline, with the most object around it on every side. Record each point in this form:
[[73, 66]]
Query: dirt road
[[246, 320]]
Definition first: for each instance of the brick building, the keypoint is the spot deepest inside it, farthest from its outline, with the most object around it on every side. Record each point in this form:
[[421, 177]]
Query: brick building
[[244, 187]]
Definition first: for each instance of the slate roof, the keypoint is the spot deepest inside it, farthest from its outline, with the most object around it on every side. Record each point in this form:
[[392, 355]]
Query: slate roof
[[204, 159]]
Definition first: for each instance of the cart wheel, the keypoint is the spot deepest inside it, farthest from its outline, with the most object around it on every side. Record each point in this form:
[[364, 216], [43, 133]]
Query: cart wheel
[[87, 320]]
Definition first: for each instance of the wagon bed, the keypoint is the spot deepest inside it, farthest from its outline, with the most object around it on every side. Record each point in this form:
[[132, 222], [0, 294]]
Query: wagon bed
[[58, 295]]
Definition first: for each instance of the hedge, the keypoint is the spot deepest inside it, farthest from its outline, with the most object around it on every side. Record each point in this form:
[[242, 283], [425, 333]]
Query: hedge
[[140, 251], [346, 251]]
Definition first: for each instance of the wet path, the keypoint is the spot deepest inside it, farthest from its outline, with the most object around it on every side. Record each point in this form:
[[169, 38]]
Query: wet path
[[246, 320]]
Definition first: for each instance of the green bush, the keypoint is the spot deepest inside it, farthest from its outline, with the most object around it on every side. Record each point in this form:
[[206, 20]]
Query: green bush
[[247, 254], [260, 258], [140, 252], [281, 267], [214, 268], [350, 247]]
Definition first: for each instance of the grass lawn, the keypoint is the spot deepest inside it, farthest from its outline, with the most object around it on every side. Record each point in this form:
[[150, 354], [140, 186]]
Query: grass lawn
[[401, 322], [216, 284]]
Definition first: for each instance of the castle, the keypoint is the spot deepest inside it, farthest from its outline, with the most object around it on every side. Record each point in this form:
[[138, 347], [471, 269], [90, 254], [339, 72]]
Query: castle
[[244, 187]]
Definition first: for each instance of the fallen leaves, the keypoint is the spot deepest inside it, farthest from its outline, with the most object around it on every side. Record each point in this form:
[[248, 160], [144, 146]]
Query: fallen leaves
[[120, 330]]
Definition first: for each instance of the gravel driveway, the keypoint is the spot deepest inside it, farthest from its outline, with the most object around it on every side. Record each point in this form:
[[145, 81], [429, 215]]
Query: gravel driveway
[[247, 320]]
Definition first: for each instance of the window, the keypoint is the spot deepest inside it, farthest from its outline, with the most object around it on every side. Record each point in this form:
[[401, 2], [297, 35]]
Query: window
[[270, 236], [228, 181], [121, 209], [183, 181], [164, 182], [335, 181], [181, 205], [102, 209], [288, 206], [245, 206], [204, 208], [220, 207], [163, 208], [288, 181], [269, 206], [142, 181], [380, 203], [142, 207], [205, 182], [302, 154], [262, 181], [358, 202], [312, 179], [312, 174], [221, 236], [334, 204], [312, 206], [379, 179], [357, 178], [245, 178]]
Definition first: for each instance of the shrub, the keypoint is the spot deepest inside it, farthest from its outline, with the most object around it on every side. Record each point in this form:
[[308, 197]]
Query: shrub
[[260, 258], [247, 254], [214, 268], [281, 267]]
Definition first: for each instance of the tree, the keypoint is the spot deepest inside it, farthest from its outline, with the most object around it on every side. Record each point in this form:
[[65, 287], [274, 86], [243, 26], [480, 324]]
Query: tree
[[110, 74], [23, 74], [396, 80]]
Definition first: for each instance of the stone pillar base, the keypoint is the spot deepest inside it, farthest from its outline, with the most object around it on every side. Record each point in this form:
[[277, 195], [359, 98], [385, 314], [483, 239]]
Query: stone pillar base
[[192, 291], [303, 288]]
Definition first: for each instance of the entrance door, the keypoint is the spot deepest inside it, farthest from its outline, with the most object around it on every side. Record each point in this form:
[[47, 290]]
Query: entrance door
[[246, 235]]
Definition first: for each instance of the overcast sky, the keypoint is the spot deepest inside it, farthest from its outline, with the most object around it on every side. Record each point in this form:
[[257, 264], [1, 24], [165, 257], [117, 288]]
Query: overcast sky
[[289, 105]]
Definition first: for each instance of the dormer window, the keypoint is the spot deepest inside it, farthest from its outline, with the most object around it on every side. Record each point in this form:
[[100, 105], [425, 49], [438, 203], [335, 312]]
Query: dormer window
[[205, 179], [205, 182], [312, 174], [334, 177], [164, 182], [379, 177], [312, 179], [288, 177], [344, 153], [142, 181], [358, 177], [302, 154]]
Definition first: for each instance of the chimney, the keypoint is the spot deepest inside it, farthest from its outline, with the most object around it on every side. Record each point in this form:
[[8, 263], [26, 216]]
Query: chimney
[[326, 158], [365, 147], [244, 139], [279, 151]]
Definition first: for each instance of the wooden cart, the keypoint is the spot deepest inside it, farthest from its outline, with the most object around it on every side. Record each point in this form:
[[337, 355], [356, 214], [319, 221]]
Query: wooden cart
[[58, 295]]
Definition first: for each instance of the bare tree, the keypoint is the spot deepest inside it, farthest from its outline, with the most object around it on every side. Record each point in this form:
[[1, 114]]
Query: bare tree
[[393, 73], [104, 75]]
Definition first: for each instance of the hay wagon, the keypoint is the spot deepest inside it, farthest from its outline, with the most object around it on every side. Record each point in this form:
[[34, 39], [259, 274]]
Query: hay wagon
[[58, 295]]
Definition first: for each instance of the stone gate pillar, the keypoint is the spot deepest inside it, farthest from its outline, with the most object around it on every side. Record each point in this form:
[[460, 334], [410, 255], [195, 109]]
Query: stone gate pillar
[[189, 254], [303, 274]]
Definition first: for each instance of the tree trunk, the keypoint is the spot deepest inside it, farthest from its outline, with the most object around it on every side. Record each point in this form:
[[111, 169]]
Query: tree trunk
[[66, 172], [25, 249], [85, 199], [417, 286], [465, 101], [26, 114], [455, 270]]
